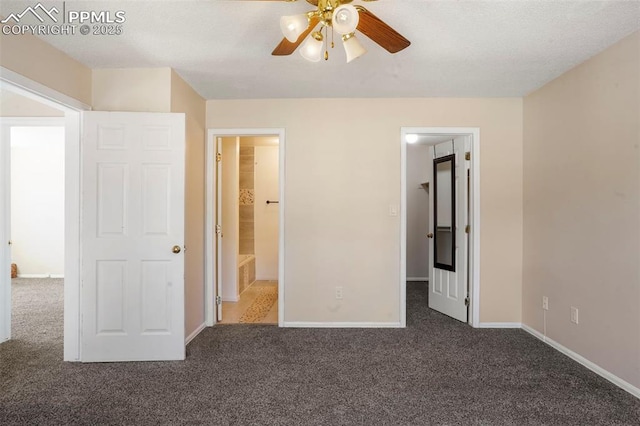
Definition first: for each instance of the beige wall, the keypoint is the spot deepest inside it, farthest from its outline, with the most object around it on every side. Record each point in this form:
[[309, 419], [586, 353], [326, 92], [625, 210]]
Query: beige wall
[[582, 208], [133, 89], [35, 59], [185, 99], [343, 172]]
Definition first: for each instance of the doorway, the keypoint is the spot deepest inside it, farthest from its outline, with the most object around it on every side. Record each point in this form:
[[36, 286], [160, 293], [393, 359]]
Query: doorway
[[33, 91], [428, 147], [244, 268], [35, 153]]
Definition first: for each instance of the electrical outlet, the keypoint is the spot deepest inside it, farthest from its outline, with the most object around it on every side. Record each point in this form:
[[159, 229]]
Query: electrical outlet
[[574, 315], [338, 293], [545, 303]]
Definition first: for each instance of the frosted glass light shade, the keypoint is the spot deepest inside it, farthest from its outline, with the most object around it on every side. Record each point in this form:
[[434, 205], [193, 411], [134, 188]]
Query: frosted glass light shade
[[311, 50], [353, 47], [411, 138], [345, 19], [293, 26]]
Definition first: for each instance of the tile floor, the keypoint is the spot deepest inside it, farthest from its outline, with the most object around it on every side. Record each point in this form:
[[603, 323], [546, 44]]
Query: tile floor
[[233, 311]]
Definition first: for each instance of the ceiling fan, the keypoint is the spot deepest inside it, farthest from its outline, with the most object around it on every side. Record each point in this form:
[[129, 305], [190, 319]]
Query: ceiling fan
[[339, 16]]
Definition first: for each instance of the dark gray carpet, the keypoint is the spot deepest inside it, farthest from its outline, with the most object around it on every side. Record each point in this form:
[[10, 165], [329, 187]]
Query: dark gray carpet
[[436, 371]]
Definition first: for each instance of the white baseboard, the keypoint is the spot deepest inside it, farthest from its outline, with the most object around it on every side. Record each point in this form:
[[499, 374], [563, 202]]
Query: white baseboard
[[40, 276], [582, 360], [417, 279], [499, 325], [305, 324], [231, 299], [195, 333]]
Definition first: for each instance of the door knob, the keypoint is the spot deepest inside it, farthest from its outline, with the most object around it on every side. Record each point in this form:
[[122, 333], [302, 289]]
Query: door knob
[[176, 249], [430, 235]]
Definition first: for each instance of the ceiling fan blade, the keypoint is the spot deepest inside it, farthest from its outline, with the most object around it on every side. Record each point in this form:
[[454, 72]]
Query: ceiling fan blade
[[287, 48], [374, 28]]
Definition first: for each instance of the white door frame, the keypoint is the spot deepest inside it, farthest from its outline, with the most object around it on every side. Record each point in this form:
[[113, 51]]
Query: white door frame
[[474, 217], [72, 108], [210, 198]]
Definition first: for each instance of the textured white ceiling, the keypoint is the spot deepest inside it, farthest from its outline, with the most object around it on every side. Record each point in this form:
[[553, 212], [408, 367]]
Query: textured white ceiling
[[459, 48]]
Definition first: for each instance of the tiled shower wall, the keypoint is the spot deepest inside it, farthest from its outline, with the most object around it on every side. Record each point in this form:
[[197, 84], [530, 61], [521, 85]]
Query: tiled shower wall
[[247, 200]]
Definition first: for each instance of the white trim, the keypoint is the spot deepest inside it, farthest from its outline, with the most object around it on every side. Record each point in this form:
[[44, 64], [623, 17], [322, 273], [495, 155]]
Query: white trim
[[195, 333], [403, 228], [14, 82], [40, 276], [474, 219], [304, 324], [72, 108], [72, 244], [209, 206], [210, 198], [413, 279], [5, 233], [585, 362], [499, 325], [231, 299], [32, 121]]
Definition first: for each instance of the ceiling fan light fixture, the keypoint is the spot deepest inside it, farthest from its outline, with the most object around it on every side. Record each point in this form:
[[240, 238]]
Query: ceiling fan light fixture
[[411, 138], [293, 26], [311, 50], [345, 19], [353, 47]]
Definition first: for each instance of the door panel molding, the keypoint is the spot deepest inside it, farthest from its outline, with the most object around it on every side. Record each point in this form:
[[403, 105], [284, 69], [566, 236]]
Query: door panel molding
[[132, 235]]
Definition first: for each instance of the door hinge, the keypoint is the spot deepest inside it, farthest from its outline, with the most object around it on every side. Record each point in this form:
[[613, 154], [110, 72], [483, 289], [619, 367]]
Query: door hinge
[[467, 301], [467, 229], [10, 243], [218, 300], [467, 156], [218, 157], [218, 230]]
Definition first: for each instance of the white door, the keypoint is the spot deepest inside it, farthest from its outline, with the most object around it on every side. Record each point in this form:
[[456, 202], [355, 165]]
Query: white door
[[448, 213], [5, 227], [218, 229], [132, 236]]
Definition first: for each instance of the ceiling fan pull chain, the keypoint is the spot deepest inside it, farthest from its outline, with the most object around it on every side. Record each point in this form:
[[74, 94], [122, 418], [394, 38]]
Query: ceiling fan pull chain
[[326, 43], [332, 45]]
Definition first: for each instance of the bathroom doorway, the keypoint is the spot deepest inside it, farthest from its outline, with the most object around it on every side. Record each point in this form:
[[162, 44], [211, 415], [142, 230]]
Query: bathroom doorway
[[244, 228]]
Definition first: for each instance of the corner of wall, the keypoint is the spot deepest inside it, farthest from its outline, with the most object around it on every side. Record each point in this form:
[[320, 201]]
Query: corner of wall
[[581, 209], [184, 99]]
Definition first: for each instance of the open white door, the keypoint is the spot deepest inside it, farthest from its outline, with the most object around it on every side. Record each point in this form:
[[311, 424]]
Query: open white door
[[5, 235], [448, 212], [218, 229], [132, 236]]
